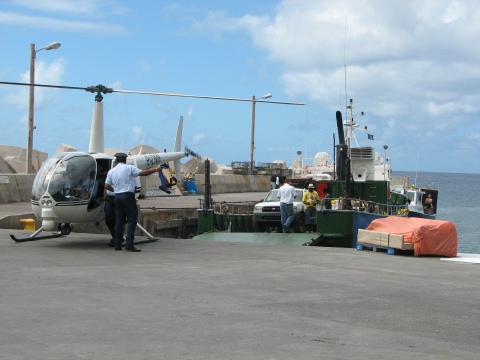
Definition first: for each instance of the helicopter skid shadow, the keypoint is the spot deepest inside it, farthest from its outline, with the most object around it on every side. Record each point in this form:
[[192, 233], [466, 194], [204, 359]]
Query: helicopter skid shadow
[[96, 243]]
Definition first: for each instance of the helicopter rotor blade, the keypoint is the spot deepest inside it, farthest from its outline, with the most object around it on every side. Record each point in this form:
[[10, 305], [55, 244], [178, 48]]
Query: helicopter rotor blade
[[105, 90], [43, 85], [202, 97]]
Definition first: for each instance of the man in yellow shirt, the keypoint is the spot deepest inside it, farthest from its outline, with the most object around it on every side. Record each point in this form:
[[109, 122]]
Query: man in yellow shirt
[[310, 200]]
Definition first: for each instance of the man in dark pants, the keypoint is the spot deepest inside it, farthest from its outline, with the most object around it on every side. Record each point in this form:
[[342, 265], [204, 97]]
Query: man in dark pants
[[286, 195], [121, 180], [110, 214]]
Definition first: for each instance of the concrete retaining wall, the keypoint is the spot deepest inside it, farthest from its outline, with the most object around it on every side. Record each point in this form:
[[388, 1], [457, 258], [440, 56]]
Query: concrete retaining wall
[[13, 221], [231, 183], [16, 188]]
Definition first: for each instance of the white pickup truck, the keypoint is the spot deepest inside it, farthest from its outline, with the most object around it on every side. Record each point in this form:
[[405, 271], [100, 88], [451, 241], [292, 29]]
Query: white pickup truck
[[266, 214]]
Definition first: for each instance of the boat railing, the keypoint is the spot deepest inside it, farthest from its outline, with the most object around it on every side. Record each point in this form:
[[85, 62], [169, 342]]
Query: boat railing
[[313, 172], [335, 204], [364, 206], [309, 167]]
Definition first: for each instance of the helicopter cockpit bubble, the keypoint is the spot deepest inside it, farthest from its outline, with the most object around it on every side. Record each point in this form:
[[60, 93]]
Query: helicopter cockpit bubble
[[44, 175], [66, 177]]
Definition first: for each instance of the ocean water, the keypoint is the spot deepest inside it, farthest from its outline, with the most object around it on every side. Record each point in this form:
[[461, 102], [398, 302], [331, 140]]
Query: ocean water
[[458, 201]]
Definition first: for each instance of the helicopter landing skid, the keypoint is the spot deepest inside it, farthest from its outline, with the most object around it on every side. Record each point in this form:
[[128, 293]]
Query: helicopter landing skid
[[34, 236], [150, 240], [150, 237]]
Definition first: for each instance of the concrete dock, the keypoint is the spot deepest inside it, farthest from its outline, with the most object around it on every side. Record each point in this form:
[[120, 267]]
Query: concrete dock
[[11, 213], [76, 298]]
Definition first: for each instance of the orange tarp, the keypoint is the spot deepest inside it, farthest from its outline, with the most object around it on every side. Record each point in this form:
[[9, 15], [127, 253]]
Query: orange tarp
[[429, 237]]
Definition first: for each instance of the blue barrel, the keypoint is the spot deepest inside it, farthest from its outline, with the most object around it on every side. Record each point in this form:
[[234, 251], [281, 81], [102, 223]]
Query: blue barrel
[[191, 185]]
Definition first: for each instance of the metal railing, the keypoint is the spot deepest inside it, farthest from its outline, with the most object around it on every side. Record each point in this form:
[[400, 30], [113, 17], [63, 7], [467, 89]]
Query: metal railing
[[364, 206]]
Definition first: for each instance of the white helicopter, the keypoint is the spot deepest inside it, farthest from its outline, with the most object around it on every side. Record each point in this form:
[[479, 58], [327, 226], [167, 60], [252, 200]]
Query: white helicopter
[[68, 187]]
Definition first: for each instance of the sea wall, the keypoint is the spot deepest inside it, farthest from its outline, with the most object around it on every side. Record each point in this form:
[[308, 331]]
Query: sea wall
[[232, 183], [16, 188]]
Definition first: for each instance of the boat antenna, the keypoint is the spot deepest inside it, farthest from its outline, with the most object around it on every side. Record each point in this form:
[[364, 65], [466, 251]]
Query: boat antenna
[[334, 157], [306, 141], [345, 61], [416, 173]]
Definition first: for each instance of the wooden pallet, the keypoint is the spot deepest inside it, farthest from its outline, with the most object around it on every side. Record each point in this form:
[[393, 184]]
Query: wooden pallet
[[388, 250], [380, 241]]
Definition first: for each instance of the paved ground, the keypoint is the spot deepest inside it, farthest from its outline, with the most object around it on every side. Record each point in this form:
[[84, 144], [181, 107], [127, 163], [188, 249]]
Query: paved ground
[[75, 298]]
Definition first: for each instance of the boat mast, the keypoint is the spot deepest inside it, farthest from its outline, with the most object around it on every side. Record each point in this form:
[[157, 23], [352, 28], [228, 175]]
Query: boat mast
[[350, 126]]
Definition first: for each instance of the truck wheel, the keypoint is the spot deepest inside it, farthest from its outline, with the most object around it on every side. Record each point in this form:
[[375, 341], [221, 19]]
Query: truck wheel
[[256, 226]]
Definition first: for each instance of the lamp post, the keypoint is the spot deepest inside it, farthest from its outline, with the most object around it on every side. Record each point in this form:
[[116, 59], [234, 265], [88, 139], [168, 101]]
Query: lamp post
[[252, 142], [31, 127], [385, 147]]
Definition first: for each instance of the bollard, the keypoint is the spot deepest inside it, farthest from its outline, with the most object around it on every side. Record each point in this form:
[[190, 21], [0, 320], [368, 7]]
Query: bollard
[[28, 224]]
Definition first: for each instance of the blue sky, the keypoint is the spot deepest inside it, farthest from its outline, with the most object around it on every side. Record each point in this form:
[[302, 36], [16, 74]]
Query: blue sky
[[411, 66]]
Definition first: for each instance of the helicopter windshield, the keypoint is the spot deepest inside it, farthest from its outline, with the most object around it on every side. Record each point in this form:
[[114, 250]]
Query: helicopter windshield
[[44, 175], [66, 177]]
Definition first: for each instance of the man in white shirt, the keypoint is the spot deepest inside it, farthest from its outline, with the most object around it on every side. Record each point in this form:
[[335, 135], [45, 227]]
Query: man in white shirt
[[110, 212], [274, 181], [121, 180], [286, 194]]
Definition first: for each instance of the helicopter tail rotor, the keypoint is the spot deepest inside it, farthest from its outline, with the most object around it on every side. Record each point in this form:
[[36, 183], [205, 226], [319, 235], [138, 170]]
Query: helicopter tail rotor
[[191, 153]]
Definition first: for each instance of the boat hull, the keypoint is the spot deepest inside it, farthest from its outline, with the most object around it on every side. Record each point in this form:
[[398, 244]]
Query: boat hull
[[339, 228]]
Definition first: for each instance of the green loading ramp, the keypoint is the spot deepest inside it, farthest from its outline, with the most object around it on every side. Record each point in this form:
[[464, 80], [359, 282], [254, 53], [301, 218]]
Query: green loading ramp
[[259, 238]]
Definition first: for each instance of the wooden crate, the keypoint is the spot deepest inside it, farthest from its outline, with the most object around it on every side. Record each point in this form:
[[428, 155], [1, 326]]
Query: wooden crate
[[375, 240]]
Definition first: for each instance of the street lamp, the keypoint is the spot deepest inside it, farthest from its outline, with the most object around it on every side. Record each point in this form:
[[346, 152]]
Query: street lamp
[[33, 54], [385, 147], [252, 143]]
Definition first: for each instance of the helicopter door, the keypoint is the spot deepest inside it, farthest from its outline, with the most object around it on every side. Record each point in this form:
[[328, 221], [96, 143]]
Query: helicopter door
[[103, 166], [73, 178]]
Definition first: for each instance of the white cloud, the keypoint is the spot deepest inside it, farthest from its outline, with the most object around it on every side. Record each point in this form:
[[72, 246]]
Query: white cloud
[[216, 23], [90, 8], [406, 60], [116, 85], [190, 110], [198, 138], [475, 136], [85, 7], [41, 22], [411, 65], [143, 67], [138, 133], [50, 74]]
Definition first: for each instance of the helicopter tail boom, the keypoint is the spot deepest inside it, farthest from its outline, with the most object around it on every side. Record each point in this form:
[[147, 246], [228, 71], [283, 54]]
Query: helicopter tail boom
[[177, 147], [147, 161]]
